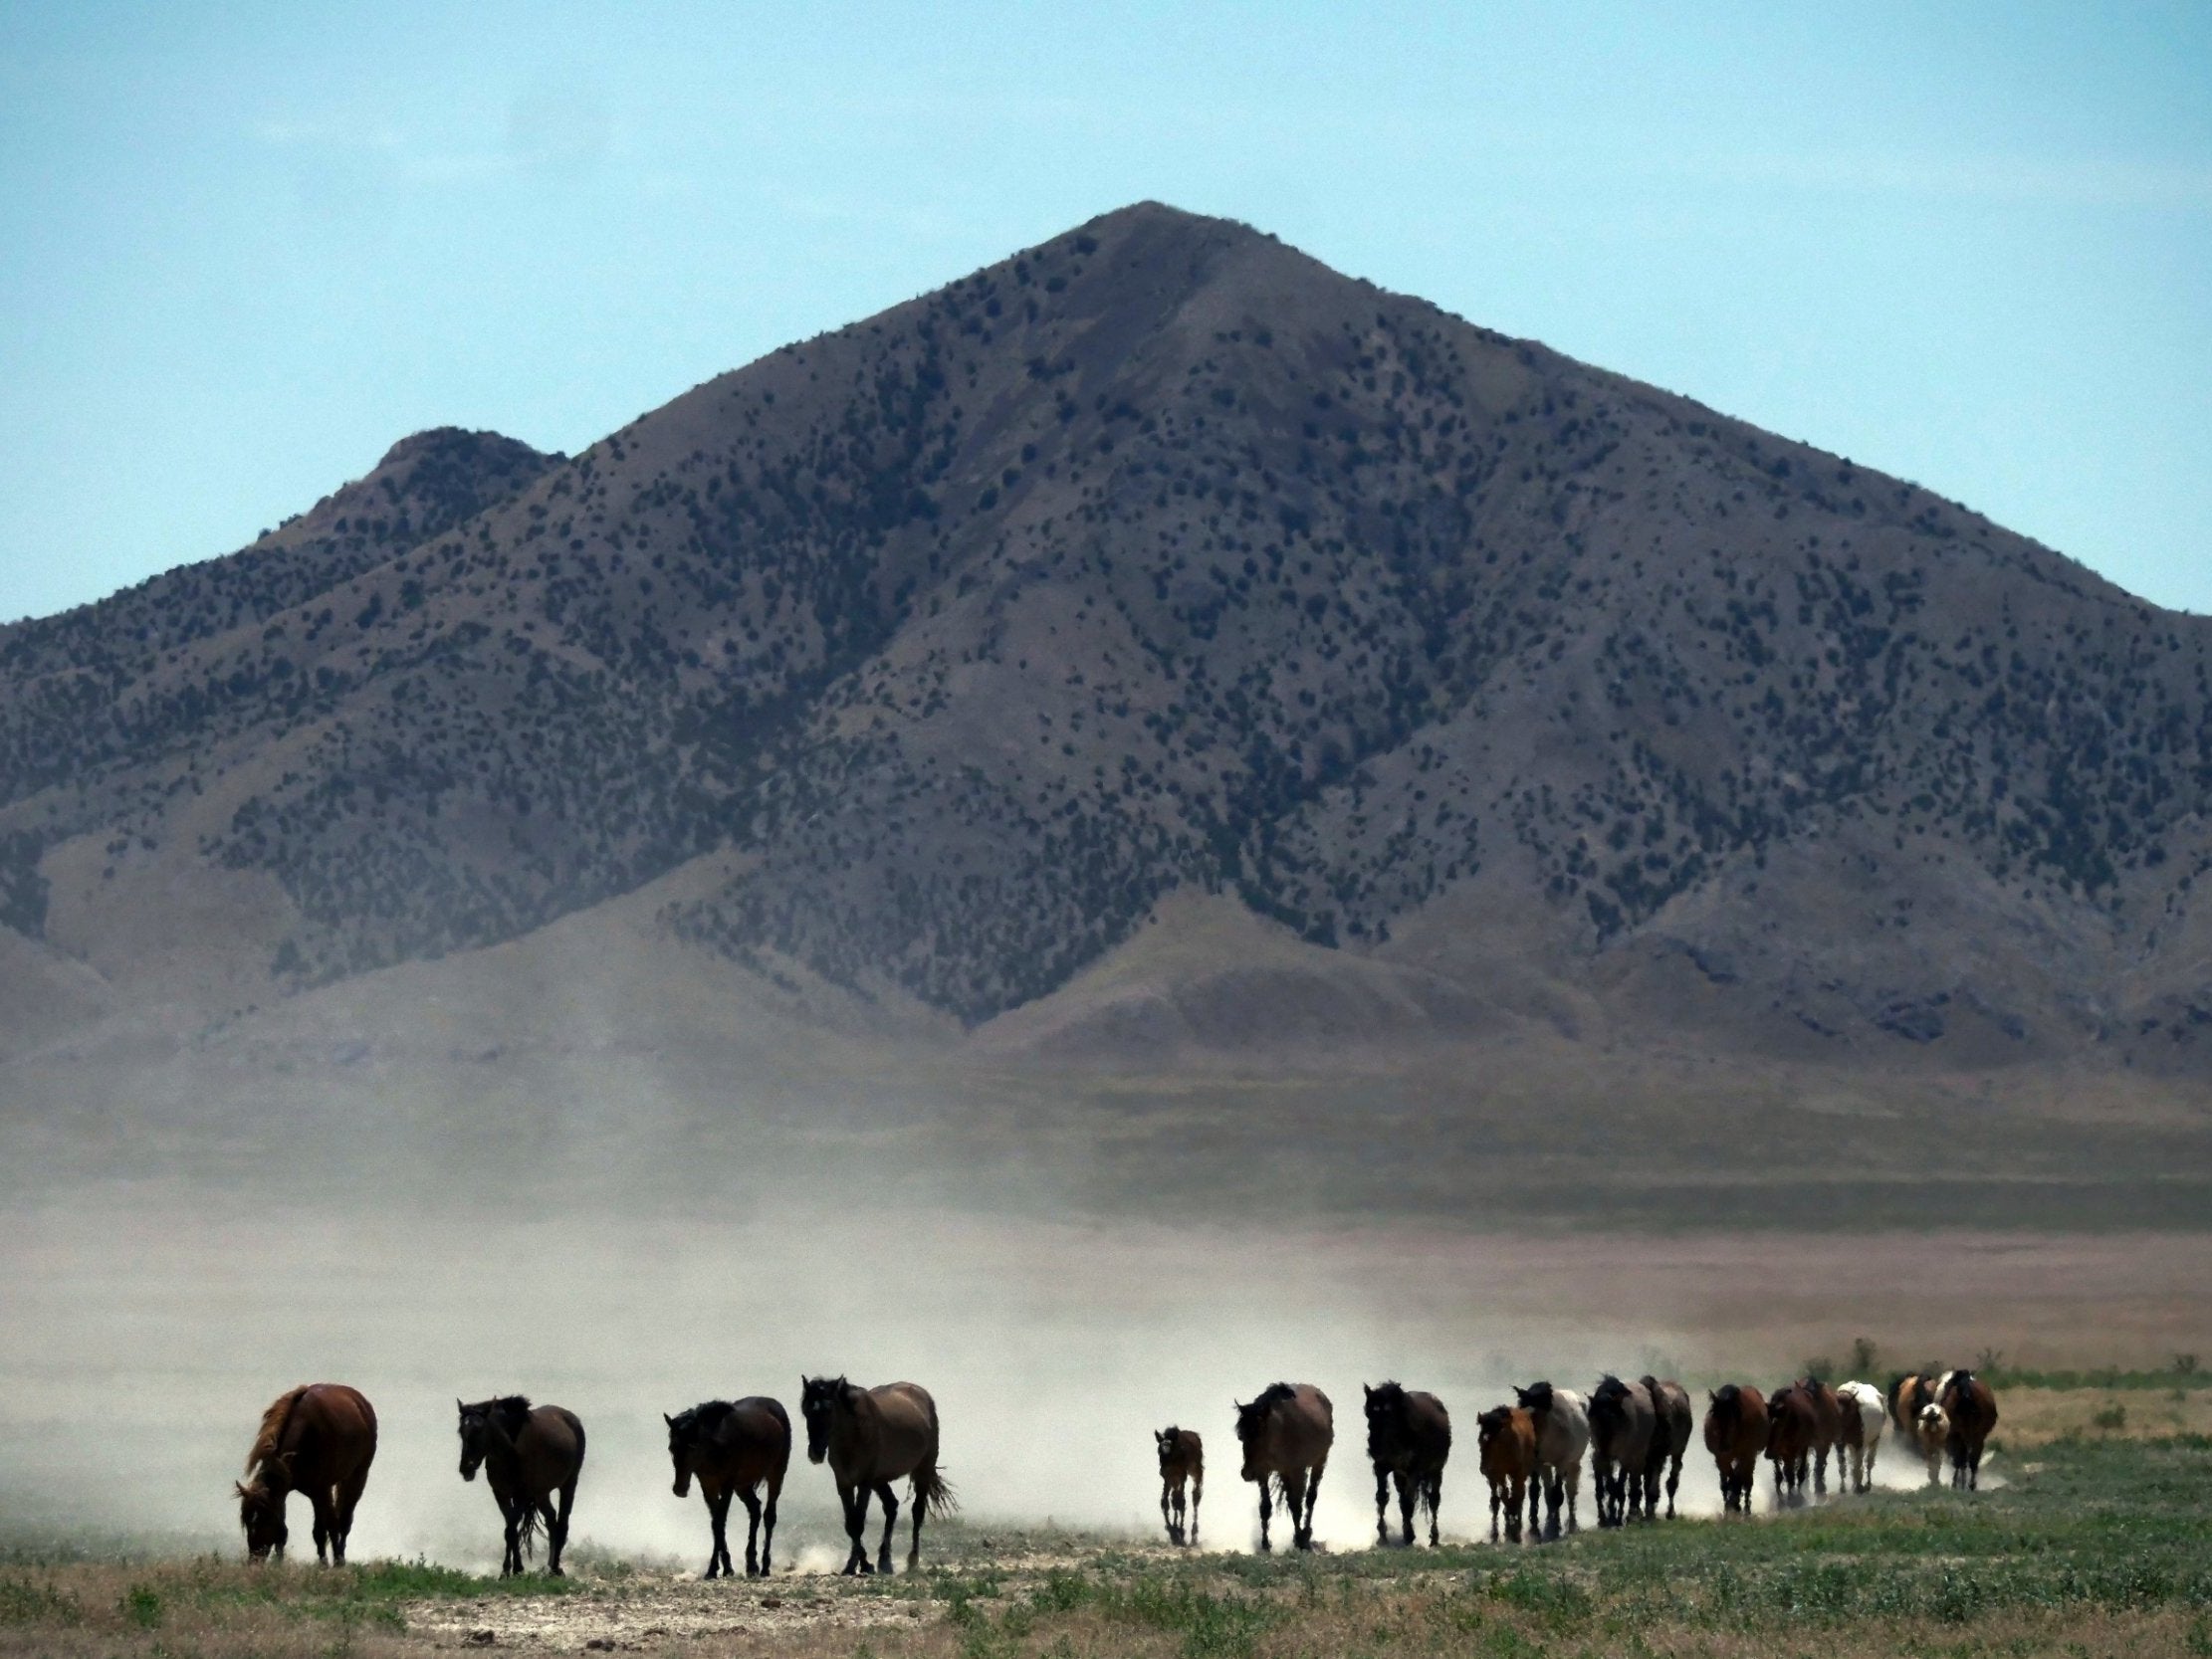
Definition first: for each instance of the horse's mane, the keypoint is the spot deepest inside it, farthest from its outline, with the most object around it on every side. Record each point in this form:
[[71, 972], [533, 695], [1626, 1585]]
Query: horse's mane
[[270, 1438], [707, 1415], [513, 1412], [1391, 1391], [1727, 1397], [1609, 1387]]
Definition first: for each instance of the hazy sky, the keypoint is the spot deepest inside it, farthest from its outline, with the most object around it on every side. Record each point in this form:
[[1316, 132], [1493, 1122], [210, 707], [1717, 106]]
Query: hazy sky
[[243, 248]]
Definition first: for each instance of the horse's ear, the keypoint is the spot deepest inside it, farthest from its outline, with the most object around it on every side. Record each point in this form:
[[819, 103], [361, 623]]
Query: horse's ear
[[458, 1406], [666, 1418], [1365, 1389]]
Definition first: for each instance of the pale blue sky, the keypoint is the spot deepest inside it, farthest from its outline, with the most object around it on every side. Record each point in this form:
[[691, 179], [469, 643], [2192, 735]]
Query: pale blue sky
[[244, 248]]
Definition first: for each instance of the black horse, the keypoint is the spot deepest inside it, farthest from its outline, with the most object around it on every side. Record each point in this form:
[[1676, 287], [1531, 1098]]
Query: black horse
[[734, 1448], [1408, 1438], [527, 1454]]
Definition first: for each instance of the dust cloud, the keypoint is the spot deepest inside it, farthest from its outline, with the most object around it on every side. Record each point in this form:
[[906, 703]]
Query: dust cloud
[[149, 1327]]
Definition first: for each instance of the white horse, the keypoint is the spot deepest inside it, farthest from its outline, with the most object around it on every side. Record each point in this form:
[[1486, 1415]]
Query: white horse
[[1873, 1417]]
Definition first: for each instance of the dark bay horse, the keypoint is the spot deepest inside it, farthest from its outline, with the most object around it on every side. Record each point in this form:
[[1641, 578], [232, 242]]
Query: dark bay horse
[[1621, 1423], [1182, 1465], [1409, 1439], [871, 1437], [1793, 1425], [1735, 1434], [319, 1438], [1671, 1430], [734, 1448], [1286, 1435], [1505, 1441], [1562, 1438], [1828, 1431], [1972, 1410], [528, 1455]]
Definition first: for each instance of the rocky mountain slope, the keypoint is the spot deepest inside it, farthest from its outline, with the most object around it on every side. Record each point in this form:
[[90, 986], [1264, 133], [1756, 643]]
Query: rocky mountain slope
[[1154, 637]]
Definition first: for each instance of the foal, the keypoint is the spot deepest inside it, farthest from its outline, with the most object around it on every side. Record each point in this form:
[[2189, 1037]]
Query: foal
[[1182, 1465]]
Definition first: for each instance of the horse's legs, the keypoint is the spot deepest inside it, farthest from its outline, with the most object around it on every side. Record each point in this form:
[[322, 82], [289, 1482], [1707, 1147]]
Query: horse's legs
[[1409, 1495], [1381, 1506], [1314, 1496], [1266, 1509], [1535, 1506], [855, 1499], [1574, 1496], [1674, 1481], [718, 1520], [1294, 1498], [557, 1529], [914, 1545], [752, 1529], [767, 1524], [1197, 1491], [1820, 1471], [320, 1497], [1498, 1500], [889, 1502], [1436, 1500], [510, 1522]]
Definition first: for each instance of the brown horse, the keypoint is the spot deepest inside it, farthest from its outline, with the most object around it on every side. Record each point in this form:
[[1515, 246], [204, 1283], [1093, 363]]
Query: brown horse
[[1972, 1410], [319, 1438], [871, 1437], [1622, 1422], [1671, 1430], [1286, 1435], [1793, 1425], [1182, 1464], [1505, 1437], [1907, 1395], [527, 1454], [1735, 1434], [1562, 1438], [1828, 1431], [1409, 1439], [734, 1448]]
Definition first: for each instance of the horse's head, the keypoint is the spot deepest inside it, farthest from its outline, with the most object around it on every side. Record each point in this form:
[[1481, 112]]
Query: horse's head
[[1386, 1417], [818, 1399], [683, 1434], [1536, 1397], [476, 1437], [1934, 1422], [1491, 1424], [261, 1513], [1164, 1440]]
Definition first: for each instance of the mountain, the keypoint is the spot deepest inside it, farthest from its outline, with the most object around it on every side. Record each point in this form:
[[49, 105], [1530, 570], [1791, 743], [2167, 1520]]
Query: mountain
[[1152, 642]]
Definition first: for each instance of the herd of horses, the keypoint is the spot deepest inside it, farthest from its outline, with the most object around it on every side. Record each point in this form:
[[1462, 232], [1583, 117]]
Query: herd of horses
[[321, 1438]]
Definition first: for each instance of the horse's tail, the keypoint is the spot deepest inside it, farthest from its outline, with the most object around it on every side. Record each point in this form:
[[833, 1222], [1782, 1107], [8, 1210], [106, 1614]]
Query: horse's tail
[[932, 1493], [526, 1534]]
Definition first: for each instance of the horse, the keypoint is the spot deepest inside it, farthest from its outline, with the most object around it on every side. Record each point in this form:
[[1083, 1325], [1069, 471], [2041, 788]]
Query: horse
[[319, 1438], [1933, 1433], [1620, 1426], [527, 1454], [1673, 1421], [1827, 1430], [1506, 1438], [1286, 1435], [734, 1448], [871, 1437], [1562, 1437], [1408, 1438], [1907, 1395], [1735, 1434], [1793, 1425], [1863, 1437], [1182, 1464], [1972, 1409]]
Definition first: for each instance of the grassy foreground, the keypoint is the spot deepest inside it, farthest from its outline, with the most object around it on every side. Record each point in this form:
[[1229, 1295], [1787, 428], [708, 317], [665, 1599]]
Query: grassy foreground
[[2097, 1547]]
